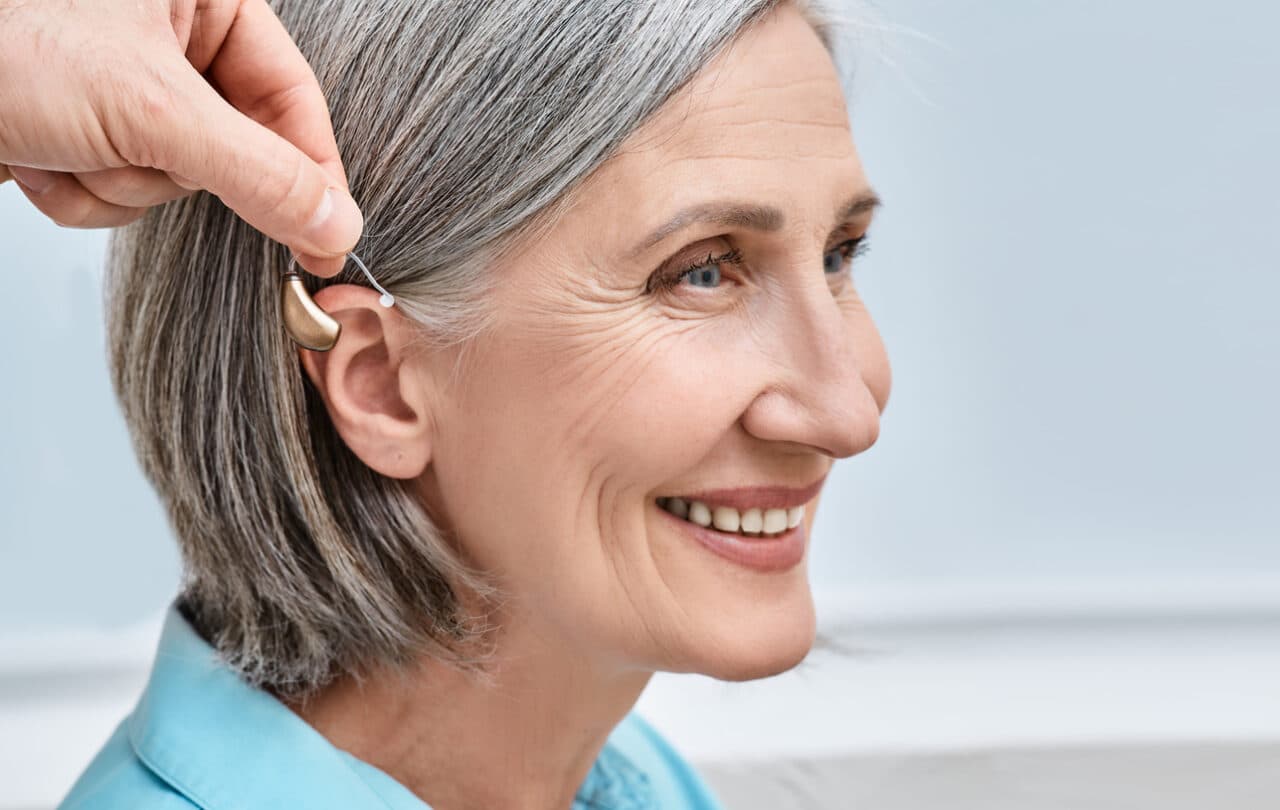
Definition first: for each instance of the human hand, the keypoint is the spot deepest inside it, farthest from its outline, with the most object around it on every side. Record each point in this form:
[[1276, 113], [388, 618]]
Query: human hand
[[111, 106]]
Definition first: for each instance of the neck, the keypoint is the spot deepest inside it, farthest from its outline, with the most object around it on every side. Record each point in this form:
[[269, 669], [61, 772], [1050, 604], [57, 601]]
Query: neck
[[526, 742]]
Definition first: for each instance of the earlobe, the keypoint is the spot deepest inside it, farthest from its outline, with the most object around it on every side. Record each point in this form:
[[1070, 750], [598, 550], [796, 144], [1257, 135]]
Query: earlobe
[[376, 400]]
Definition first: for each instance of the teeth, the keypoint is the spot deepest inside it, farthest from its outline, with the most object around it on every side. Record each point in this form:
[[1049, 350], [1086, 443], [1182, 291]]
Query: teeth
[[752, 522], [725, 519], [699, 513], [775, 520]]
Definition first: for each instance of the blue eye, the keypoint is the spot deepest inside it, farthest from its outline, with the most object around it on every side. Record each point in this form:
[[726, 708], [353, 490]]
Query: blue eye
[[705, 276], [834, 260]]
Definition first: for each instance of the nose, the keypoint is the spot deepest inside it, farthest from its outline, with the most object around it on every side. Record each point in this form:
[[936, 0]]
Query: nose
[[817, 395]]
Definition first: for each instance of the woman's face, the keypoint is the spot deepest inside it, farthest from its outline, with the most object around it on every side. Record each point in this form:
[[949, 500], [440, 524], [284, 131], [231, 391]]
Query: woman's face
[[614, 379]]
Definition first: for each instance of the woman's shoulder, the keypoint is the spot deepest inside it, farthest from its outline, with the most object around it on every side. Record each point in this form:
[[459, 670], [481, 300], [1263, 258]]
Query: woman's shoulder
[[675, 782]]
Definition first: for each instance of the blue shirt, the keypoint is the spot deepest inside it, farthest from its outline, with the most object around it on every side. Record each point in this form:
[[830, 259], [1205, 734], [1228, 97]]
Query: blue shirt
[[202, 737]]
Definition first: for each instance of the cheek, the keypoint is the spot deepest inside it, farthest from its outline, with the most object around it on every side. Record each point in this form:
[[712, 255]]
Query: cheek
[[498, 465], [675, 399], [545, 434]]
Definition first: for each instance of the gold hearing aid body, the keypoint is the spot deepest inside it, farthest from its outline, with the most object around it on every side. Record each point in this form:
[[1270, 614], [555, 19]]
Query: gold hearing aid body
[[308, 325]]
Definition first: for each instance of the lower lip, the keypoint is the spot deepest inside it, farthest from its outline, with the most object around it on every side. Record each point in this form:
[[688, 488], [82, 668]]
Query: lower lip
[[779, 552]]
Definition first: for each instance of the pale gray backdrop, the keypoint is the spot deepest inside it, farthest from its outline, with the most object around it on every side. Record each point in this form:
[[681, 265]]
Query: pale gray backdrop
[[1075, 274]]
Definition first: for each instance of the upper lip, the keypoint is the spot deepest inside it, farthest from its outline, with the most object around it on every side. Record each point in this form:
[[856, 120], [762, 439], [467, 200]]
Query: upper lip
[[769, 496]]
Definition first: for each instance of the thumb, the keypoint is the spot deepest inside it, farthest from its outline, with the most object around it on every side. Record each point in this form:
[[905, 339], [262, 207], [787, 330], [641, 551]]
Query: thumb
[[269, 182]]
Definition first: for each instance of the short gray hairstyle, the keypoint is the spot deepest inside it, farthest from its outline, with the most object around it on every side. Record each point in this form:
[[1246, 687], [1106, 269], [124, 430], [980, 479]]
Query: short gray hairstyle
[[463, 125]]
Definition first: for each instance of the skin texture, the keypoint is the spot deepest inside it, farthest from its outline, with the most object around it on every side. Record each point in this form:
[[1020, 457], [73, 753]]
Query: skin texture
[[124, 118], [544, 444]]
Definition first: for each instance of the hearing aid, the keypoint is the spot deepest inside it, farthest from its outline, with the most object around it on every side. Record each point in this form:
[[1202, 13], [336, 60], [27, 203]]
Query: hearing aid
[[307, 324]]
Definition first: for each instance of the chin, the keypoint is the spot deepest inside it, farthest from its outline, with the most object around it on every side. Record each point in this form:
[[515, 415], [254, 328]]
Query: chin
[[765, 640]]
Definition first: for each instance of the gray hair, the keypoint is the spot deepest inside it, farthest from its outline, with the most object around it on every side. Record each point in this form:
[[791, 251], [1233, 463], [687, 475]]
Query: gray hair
[[463, 124]]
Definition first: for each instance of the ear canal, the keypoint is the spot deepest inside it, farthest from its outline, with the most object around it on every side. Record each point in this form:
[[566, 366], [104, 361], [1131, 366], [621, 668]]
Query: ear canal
[[307, 324]]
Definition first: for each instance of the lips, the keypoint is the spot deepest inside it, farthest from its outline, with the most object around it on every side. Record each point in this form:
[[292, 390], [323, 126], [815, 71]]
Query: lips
[[756, 497], [754, 511], [767, 553]]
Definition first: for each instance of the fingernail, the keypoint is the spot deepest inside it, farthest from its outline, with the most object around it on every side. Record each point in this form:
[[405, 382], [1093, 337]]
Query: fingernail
[[335, 226], [37, 181]]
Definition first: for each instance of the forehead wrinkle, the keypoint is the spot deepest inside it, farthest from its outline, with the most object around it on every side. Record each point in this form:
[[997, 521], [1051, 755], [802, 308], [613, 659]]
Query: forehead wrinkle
[[751, 112], [786, 138], [726, 125], [793, 153]]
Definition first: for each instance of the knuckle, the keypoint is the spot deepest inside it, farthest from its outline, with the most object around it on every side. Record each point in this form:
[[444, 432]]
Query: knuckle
[[129, 186], [272, 107], [130, 192], [146, 106], [104, 183]]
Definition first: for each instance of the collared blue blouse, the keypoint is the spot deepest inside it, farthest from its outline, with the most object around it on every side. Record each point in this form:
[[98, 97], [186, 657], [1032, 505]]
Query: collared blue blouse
[[202, 737]]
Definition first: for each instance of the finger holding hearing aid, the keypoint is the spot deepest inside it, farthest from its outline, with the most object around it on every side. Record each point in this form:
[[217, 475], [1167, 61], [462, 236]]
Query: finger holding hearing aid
[[126, 116]]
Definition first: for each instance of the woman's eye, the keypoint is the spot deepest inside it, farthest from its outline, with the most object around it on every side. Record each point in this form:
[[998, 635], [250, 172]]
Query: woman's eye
[[836, 259], [706, 276]]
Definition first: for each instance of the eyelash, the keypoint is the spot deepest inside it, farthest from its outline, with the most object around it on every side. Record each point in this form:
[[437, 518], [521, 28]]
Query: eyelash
[[669, 280], [851, 248], [848, 249]]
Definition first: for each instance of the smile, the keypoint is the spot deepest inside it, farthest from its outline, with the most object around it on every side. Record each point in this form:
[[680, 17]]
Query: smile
[[751, 522]]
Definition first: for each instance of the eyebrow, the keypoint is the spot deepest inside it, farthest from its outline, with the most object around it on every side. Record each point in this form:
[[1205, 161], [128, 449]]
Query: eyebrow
[[753, 216]]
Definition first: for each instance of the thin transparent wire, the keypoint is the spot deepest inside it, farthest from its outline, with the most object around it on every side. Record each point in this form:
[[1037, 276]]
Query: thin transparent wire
[[387, 299]]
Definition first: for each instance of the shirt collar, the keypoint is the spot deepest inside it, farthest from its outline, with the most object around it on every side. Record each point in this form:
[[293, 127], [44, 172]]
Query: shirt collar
[[226, 745]]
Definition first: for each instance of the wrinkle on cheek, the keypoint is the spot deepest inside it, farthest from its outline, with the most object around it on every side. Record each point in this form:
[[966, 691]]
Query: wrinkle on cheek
[[564, 292], [590, 341], [602, 512], [762, 329], [607, 370], [634, 574]]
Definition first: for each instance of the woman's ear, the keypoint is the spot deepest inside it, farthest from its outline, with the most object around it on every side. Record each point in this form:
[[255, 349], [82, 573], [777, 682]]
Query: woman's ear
[[378, 402]]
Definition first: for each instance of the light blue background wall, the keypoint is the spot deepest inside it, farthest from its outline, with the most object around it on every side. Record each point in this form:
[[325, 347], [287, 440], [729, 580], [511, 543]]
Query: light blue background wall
[[1075, 274], [1077, 279]]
